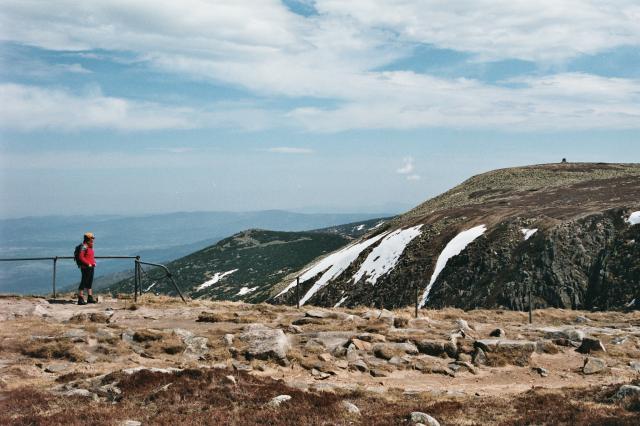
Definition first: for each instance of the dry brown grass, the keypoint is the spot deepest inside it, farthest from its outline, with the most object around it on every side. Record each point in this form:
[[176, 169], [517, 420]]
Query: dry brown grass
[[204, 397], [56, 349]]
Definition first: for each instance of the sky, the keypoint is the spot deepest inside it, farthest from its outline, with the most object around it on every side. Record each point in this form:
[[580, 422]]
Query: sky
[[140, 106]]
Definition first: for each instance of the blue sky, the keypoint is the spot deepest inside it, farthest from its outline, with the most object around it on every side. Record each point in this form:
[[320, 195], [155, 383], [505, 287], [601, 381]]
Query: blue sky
[[142, 107]]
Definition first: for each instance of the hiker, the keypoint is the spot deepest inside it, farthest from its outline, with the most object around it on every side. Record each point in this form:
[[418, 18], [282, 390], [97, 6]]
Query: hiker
[[87, 263]]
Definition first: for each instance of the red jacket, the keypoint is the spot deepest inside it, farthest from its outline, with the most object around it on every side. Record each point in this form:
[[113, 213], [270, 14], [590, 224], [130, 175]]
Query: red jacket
[[86, 256]]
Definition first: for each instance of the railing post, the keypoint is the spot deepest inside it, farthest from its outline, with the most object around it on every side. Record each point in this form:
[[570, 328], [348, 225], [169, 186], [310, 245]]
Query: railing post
[[416, 301], [55, 262], [136, 278], [298, 292], [530, 307]]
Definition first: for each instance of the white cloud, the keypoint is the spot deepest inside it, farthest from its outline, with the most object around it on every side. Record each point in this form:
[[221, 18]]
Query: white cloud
[[413, 177], [263, 47], [407, 166], [290, 150], [27, 108]]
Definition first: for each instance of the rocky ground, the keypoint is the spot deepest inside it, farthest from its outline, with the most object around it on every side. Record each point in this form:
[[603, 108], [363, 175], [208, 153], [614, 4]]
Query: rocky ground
[[161, 362]]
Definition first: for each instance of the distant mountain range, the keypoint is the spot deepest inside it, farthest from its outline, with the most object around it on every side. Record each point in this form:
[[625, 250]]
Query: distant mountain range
[[156, 238], [246, 265]]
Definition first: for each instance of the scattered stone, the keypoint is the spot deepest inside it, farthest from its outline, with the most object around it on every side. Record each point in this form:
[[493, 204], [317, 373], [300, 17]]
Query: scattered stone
[[325, 357], [56, 368], [231, 380], [498, 332], [618, 340], [566, 333], [389, 350], [239, 366], [228, 339], [479, 357], [466, 365], [424, 418], [635, 366], [359, 365], [293, 329], [593, 365], [375, 372], [463, 326], [80, 392], [142, 336], [591, 345], [581, 319], [626, 391], [76, 335], [431, 347], [129, 423], [319, 375], [361, 345], [565, 342], [372, 337], [350, 407], [265, 343], [308, 320], [277, 400], [316, 313], [542, 371], [343, 364], [127, 336]]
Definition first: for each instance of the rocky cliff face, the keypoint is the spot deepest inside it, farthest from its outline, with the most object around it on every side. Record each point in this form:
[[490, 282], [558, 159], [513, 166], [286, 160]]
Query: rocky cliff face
[[563, 230]]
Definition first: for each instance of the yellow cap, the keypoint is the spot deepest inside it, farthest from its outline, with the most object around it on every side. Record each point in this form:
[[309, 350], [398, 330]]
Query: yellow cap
[[89, 235]]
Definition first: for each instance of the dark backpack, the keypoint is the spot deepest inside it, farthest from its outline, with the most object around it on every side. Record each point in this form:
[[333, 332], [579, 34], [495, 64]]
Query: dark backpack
[[76, 255]]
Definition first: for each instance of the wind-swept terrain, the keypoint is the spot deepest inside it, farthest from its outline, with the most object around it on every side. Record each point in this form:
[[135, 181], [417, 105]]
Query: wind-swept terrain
[[162, 362]]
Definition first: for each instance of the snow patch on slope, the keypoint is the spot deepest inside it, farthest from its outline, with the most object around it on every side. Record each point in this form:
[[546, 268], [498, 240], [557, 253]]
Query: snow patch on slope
[[216, 277], [337, 305], [331, 266], [246, 290], [384, 257], [528, 233], [453, 248], [634, 218]]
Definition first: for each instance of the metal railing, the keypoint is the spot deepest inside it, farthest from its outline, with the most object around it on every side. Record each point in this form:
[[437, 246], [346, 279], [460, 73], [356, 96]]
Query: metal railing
[[137, 290]]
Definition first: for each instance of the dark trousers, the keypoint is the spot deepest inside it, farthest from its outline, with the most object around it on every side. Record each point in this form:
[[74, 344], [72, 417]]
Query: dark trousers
[[87, 278]]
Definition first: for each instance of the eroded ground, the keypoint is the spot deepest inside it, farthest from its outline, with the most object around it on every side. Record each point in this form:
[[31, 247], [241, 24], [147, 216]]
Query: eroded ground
[[161, 362]]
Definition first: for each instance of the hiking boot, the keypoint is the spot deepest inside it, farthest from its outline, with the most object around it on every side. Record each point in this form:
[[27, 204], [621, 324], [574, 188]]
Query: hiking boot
[[81, 301], [90, 299]]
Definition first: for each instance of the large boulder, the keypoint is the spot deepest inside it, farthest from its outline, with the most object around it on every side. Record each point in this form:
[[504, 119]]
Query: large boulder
[[499, 352], [423, 418], [594, 365], [389, 350], [265, 343]]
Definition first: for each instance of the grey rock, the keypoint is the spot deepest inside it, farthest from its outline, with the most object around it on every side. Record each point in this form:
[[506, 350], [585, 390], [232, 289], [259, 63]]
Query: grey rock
[[127, 336], [359, 365], [276, 401], [76, 335], [389, 350], [479, 357], [635, 366], [319, 375], [130, 423], [265, 343], [542, 371], [582, 319], [230, 379], [56, 368], [424, 418], [316, 313], [591, 345], [625, 391], [239, 366], [594, 365], [565, 333], [293, 329], [618, 340], [376, 372], [350, 407], [498, 332], [431, 347]]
